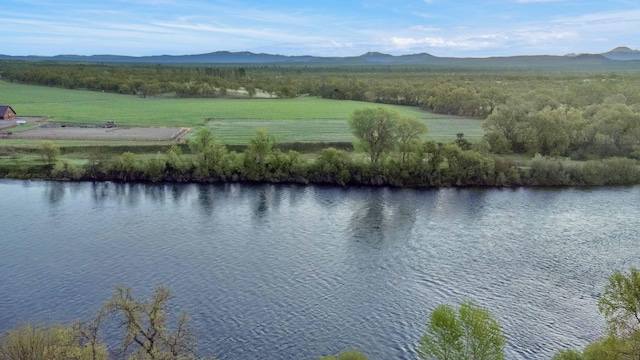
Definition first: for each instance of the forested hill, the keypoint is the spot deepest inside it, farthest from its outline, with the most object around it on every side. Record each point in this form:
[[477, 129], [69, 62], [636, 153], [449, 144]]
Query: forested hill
[[618, 58]]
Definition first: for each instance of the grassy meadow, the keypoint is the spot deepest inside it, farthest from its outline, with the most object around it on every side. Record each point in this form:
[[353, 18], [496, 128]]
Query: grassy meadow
[[305, 119]]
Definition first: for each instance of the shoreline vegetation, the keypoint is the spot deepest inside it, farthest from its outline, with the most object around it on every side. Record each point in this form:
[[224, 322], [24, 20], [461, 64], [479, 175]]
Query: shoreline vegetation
[[422, 126], [264, 161], [468, 332]]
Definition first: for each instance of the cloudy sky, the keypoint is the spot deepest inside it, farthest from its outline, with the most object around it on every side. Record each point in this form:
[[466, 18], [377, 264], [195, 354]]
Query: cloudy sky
[[321, 28]]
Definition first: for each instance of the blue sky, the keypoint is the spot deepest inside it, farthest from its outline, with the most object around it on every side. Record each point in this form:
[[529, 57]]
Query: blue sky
[[321, 28]]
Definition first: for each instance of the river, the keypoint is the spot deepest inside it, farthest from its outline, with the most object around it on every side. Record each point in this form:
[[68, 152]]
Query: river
[[288, 271]]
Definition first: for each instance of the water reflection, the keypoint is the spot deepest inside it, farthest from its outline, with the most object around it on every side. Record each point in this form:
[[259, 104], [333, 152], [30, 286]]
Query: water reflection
[[260, 204], [55, 192], [455, 202], [330, 260], [155, 192], [177, 192], [205, 199], [367, 222]]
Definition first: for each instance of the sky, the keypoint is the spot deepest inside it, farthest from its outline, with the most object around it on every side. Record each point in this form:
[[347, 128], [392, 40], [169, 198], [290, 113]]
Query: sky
[[318, 27]]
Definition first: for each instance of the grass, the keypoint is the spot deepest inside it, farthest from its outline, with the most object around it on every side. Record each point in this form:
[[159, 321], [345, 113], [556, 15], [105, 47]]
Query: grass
[[234, 121]]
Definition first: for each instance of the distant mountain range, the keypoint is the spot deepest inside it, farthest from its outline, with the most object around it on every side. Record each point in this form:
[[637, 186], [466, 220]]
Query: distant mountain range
[[617, 55]]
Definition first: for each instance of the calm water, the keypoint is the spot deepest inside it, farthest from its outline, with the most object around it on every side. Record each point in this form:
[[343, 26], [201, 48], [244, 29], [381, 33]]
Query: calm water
[[284, 272]]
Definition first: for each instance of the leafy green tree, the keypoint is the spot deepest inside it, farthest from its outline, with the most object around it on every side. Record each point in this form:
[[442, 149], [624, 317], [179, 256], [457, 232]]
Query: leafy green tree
[[620, 305], [468, 167], [549, 133], [408, 133], [257, 154], [177, 166], [154, 168], [347, 355], [332, 166], [470, 333], [568, 355], [376, 129], [209, 154], [507, 123], [125, 167], [49, 151]]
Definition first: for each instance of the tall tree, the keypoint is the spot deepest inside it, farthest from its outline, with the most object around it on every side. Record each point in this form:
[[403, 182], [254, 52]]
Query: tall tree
[[376, 129], [408, 132]]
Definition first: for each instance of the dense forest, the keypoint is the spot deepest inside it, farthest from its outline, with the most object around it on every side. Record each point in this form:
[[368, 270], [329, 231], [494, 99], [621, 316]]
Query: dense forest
[[548, 116]]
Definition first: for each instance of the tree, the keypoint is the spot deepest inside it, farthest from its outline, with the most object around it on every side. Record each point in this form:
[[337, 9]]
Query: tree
[[346, 355], [146, 326], [620, 305], [376, 128], [50, 151], [209, 153], [471, 333], [408, 132], [549, 133], [258, 152]]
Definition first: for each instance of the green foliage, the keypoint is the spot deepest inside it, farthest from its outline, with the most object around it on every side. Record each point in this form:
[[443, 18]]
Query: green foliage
[[547, 172], [154, 168], [468, 167], [209, 156], [332, 166], [469, 333], [346, 355], [567, 355], [376, 129], [409, 131], [50, 151], [620, 305], [125, 167], [610, 348], [548, 133], [63, 170], [257, 154], [30, 342]]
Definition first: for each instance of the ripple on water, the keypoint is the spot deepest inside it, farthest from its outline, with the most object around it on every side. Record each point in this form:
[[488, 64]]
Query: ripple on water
[[288, 272]]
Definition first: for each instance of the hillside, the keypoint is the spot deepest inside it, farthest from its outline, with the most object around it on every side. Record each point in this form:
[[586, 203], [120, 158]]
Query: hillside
[[621, 57]]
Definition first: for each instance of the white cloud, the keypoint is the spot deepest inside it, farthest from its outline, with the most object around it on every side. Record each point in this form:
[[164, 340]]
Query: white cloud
[[425, 28]]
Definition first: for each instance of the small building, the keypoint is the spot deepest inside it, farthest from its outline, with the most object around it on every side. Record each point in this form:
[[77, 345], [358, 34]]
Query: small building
[[7, 113]]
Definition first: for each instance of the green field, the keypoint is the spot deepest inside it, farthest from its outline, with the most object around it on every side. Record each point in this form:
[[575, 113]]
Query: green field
[[234, 121]]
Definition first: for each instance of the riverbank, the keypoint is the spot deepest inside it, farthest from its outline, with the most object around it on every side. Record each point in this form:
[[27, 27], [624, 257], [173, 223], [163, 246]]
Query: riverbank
[[437, 165]]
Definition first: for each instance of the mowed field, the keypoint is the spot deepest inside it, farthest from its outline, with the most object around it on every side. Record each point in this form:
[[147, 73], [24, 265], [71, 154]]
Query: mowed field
[[234, 121]]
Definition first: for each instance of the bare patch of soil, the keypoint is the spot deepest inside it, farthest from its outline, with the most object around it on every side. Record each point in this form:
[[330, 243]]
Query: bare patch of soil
[[115, 134]]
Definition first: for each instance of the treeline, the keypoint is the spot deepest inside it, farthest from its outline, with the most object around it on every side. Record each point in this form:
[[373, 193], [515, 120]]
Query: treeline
[[606, 128], [132, 80], [470, 93], [422, 164]]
